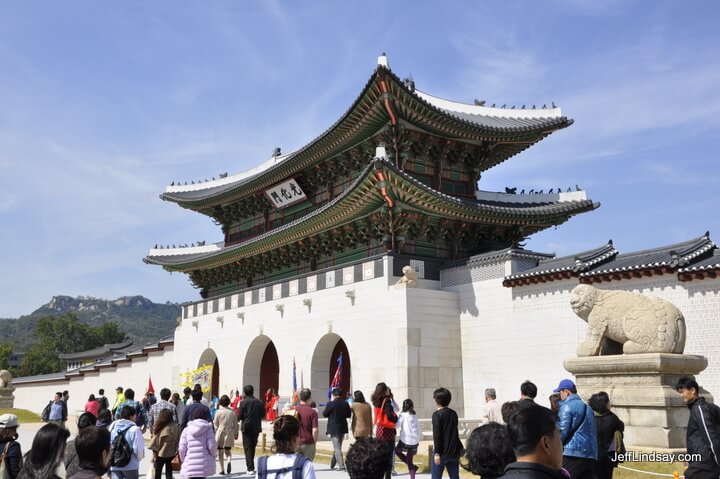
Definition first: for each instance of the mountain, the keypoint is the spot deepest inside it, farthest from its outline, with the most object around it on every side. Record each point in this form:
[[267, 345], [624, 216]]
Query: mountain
[[142, 320]]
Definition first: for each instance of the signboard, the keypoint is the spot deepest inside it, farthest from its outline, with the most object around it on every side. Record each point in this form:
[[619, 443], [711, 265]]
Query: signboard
[[285, 194], [201, 376]]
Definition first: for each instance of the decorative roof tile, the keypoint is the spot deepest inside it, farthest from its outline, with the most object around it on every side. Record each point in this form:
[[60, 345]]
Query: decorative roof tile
[[574, 264]]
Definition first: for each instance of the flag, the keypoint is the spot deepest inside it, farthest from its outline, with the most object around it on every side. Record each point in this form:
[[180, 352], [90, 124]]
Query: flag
[[337, 378], [150, 387], [294, 385]]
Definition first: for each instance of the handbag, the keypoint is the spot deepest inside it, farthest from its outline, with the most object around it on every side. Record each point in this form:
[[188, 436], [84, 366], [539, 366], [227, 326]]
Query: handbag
[[175, 464], [4, 472]]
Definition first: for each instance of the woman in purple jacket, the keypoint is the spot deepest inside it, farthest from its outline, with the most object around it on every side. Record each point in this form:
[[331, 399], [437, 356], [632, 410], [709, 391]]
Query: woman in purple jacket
[[198, 447]]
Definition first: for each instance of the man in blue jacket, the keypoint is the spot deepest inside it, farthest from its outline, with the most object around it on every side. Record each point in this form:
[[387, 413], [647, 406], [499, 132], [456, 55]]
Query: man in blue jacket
[[577, 432]]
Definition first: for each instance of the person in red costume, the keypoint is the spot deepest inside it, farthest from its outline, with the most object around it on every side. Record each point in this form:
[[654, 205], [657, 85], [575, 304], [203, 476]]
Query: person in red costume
[[271, 401]]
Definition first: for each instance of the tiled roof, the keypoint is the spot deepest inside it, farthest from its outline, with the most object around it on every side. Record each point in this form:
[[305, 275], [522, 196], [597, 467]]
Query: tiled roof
[[575, 264], [99, 352], [406, 189], [364, 119], [708, 264], [673, 256], [495, 257]]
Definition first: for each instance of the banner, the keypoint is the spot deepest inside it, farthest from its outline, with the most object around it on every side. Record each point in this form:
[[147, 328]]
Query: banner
[[201, 376]]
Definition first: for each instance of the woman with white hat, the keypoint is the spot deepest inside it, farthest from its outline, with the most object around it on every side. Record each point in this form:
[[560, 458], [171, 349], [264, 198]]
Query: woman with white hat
[[9, 447]]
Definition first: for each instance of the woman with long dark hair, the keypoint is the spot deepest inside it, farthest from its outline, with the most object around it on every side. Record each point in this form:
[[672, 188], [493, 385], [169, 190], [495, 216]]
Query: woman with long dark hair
[[164, 444], [282, 464], [361, 424], [45, 458], [385, 419]]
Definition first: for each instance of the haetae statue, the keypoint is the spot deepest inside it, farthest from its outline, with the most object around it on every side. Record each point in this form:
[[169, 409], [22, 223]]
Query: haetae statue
[[5, 379], [409, 278], [640, 324]]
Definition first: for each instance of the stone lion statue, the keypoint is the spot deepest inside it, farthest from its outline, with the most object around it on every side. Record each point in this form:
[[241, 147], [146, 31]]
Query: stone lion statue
[[409, 278], [637, 323], [5, 379]]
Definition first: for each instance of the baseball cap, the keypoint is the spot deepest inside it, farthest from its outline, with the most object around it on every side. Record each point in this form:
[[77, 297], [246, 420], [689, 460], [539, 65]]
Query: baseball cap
[[8, 421], [564, 384]]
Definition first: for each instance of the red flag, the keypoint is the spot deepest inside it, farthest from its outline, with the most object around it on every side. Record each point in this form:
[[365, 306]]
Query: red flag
[[150, 388]]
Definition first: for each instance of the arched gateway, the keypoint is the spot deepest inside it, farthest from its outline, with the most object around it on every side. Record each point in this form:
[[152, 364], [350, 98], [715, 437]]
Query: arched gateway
[[262, 367], [325, 362], [209, 358]]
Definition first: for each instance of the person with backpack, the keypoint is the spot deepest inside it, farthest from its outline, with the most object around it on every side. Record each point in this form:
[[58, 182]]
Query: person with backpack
[[9, 447], [702, 437], [141, 419], [102, 400], [127, 447], [285, 463], [198, 447]]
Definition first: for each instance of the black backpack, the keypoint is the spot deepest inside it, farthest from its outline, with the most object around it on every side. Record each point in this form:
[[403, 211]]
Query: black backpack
[[296, 468], [120, 450]]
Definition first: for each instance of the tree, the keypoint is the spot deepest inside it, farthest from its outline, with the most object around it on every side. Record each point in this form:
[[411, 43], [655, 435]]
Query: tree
[[5, 352], [61, 335]]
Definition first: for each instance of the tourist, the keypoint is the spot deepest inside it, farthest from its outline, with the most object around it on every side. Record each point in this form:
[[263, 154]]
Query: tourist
[[92, 406], [214, 405], [119, 399], [408, 430], [447, 447], [285, 462], [492, 411], [555, 404], [577, 432], [56, 411], [102, 400], [9, 447], [703, 435], [165, 442], [367, 459], [236, 402], [163, 403], [195, 405], [203, 399], [508, 409], [140, 414], [133, 436], [536, 442], [104, 418], [338, 412], [197, 447], [71, 459], [488, 451], [148, 402], [609, 435], [385, 419], [186, 395], [271, 405], [251, 413], [226, 431], [528, 393], [361, 423], [45, 458], [176, 401], [93, 449], [308, 418]]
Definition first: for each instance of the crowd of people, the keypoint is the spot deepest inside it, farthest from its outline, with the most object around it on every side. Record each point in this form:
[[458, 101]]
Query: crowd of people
[[520, 439]]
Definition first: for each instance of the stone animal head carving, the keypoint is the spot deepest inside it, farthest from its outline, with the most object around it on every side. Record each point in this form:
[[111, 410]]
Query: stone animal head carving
[[409, 273], [5, 379], [583, 299]]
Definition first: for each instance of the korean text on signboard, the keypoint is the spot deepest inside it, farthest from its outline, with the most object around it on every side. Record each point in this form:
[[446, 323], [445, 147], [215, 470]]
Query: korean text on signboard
[[285, 194]]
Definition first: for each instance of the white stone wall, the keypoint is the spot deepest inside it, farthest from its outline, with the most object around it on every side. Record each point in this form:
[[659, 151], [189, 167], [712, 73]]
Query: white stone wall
[[133, 374]]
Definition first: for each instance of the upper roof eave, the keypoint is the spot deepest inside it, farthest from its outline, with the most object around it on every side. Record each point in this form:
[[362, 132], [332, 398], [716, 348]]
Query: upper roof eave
[[483, 125]]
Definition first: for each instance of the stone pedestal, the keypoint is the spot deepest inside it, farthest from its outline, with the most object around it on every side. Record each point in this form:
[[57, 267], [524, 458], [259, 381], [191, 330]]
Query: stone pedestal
[[642, 393], [6, 398]]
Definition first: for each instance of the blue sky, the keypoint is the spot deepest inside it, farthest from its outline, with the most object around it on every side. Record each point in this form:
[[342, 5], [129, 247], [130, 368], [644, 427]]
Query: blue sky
[[103, 104]]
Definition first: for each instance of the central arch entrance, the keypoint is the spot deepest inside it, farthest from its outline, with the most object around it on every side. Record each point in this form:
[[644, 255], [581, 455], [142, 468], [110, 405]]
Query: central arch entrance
[[262, 367], [325, 363], [209, 358]]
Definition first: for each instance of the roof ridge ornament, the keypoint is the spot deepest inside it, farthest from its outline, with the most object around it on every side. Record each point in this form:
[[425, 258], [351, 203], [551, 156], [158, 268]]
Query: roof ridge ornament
[[382, 61]]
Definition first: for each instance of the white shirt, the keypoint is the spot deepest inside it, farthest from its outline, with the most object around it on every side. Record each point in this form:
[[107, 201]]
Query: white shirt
[[278, 461], [492, 412], [408, 428]]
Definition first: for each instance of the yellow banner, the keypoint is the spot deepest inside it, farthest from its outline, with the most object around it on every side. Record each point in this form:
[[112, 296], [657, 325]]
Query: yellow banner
[[201, 376]]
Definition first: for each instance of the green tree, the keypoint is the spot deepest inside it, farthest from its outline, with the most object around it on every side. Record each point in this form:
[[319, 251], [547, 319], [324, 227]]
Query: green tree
[[61, 335], [5, 352]]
